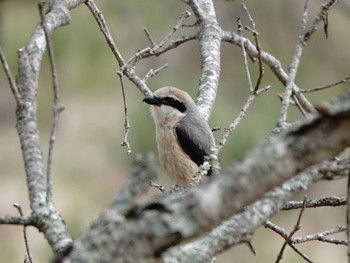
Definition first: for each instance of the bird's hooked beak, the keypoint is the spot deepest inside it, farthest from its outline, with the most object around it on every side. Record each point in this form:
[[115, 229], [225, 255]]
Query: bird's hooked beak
[[152, 100]]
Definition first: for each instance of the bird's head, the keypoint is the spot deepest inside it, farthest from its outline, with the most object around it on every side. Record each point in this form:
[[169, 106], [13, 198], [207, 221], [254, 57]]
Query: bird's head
[[169, 104]]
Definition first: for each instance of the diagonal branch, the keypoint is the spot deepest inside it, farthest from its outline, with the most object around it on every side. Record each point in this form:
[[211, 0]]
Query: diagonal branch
[[272, 62], [176, 218], [293, 69], [10, 79], [321, 16]]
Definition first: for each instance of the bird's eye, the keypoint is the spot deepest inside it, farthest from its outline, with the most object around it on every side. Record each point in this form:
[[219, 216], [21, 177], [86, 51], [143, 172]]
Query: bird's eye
[[169, 100], [175, 103]]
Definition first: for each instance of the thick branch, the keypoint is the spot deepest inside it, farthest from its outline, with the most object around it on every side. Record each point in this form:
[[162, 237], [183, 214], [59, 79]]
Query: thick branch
[[176, 218], [46, 217], [209, 35], [235, 230]]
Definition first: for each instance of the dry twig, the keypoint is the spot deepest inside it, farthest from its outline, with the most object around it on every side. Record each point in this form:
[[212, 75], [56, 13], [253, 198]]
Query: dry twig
[[326, 86], [125, 142], [289, 237], [29, 256], [293, 69], [332, 201], [321, 16], [241, 115], [258, 47], [57, 106], [10, 79]]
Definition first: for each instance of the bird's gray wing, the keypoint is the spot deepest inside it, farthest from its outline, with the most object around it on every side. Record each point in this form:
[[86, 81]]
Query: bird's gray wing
[[195, 138]]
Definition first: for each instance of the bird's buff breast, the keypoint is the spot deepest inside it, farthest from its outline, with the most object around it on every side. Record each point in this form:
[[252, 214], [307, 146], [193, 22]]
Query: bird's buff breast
[[173, 159]]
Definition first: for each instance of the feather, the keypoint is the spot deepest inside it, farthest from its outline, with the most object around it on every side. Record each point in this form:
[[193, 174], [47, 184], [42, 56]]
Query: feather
[[196, 143]]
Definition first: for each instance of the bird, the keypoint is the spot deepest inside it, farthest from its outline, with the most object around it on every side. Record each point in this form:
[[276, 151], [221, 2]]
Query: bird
[[183, 136]]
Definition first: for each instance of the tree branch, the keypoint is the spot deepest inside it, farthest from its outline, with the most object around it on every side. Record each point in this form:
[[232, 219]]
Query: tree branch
[[209, 36], [160, 225], [48, 220], [293, 69], [326, 201], [234, 230], [10, 78], [273, 63]]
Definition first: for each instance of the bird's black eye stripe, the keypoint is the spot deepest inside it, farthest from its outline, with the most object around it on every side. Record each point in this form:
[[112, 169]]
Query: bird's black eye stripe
[[175, 103]]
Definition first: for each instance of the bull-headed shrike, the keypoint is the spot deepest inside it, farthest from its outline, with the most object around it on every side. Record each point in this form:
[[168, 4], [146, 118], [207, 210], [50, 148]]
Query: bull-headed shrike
[[183, 136]]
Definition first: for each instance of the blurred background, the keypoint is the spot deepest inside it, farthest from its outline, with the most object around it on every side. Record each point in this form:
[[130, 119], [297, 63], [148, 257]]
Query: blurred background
[[89, 164]]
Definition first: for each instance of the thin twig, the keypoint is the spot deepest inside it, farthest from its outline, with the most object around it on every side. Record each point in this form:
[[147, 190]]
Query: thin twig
[[125, 142], [153, 72], [289, 237], [104, 29], [293, 69], [321, 16], [186, 14], [29, 256], [241, 115], [322, 236], [10, 79], [125, 68], [148, 34], [327, 201], [240, 32], [158, 186], [326, 86], [57, 106], [285, 235], [258, 47]]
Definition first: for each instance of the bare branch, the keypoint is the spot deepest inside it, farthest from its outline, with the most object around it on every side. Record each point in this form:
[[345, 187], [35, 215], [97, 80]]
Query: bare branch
[[143, 172], [285, 235], [332, 201], [148, 34], [337, 170], [209, 36], [29, 256], [326, 86], [29, 61], [322, 236], [177, 218], [10, 79], [14, 220], [153, 72], [241, 115], [291, 234], [293, 69], [258, 47], [105, 31], [274, 65], [129, 72], [128, 68], [57, 106], [240, 32], [234, 230], [125, 142], [178, 26], [321, 16]]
